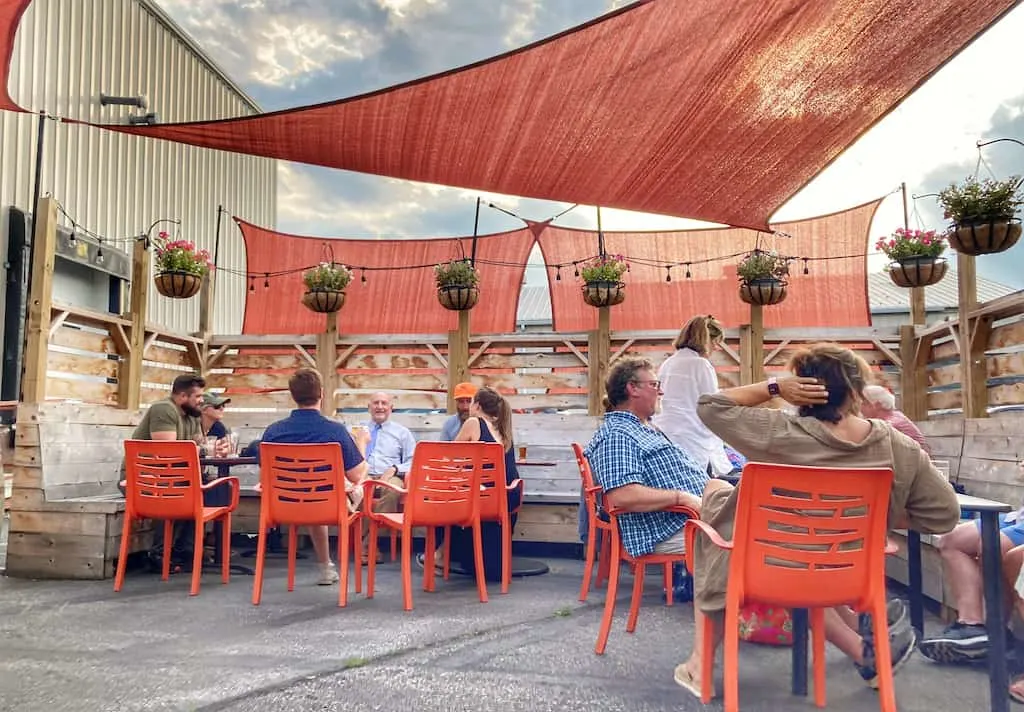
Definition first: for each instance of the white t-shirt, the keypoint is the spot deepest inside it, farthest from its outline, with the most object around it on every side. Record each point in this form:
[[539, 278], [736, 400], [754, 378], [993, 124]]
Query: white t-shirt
[[685, 376]]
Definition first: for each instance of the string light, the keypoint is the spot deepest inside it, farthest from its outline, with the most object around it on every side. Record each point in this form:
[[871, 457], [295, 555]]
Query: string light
[[688, 275], [99, 252], [558, 273], [668, 273], [252, 284], [266, 280], [362, 277], [806, 271], [72, 240], [576, 272]]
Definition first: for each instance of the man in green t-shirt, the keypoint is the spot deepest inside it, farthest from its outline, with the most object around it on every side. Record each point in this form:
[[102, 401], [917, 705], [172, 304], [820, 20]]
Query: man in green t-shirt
[[175, 418]]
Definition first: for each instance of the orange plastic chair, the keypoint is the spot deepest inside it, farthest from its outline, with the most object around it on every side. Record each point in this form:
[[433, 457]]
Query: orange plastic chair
[[837, 518], [163, 481], [305, 485], [494, 508], [442, 489], [597, 526]]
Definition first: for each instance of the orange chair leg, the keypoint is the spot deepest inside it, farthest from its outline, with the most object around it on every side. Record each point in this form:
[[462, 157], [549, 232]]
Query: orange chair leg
[[293, 546], [356, 525], [667, 576], [634, 601], [225, 548], [406, 569], [168, 533], [707, 660], [428, 561], [818, 650], [609, 604], [883, 655], [261, 557], [506, 555], [343, 550], [394, 544], [604, 559], [447, 552], [197, 557], [122, 557], [730, 665], [478, 561], [371, 561], [588, 566]]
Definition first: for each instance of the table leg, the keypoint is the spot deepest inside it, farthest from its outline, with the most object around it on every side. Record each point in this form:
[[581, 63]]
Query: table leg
[[800, 628], [915, 581], [995, 621]]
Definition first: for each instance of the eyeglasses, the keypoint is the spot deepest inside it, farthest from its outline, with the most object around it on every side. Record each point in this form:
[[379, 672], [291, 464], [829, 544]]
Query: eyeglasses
[[656, 384]]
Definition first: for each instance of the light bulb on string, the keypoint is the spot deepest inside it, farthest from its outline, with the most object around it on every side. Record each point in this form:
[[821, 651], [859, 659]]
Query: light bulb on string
[[252, 284], [266, 280], [558, 273], [688, 275], [668, 273], [576, 272], [72, 240], [99, 253], [806, 271], [362, 277]]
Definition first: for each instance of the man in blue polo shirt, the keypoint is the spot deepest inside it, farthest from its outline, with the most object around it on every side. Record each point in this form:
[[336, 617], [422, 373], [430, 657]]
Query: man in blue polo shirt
[[307, 425]]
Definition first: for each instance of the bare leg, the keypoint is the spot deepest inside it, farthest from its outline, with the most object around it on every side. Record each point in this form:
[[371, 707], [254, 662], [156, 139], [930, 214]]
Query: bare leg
[[960, 550], [843, 635], [318, 535], [847, 615]]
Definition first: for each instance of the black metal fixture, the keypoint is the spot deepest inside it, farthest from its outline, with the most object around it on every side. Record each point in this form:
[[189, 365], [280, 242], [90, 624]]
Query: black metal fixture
[[109, 99], [144, 119]]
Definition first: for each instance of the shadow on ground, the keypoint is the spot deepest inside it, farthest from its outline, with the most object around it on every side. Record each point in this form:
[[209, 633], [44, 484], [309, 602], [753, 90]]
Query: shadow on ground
[[73, 645]]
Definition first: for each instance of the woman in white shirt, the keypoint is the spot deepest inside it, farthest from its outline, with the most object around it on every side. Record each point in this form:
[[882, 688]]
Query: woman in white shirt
[[685, 376]]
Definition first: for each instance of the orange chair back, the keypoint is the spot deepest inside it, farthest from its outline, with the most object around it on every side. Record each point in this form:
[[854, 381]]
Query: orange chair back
[[586, 474], [809, 536], [303, 484], [162, 479], [444, 482], [493, 495]]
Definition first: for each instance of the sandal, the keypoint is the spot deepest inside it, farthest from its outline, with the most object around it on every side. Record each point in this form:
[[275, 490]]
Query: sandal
[[1017, 690], [685, 679]]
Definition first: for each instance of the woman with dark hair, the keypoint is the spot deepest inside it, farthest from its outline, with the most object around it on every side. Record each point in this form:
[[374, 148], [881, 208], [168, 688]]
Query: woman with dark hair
[[490, 421], [828, 432], [685, 376]]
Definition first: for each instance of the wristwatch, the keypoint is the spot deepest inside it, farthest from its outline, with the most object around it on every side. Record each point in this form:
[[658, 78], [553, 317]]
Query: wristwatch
[[773, 387]]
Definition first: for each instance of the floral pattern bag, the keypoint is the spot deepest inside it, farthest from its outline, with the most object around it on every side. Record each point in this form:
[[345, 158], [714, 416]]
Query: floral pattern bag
[[768, 625]]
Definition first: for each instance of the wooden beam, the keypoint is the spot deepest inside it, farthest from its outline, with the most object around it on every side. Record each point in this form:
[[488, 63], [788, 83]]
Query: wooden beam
[[746, 354], [896, 359], [479, 352], [37, 327], [756, 343], [212, 359], [583, 359], [326, 353], [973, 361], [121, 341], [130, 376], [149, 340], [57, 322], [306, 356], [918, 315], [206, 305], [973, 390], [910, 382], [458, 357], [775, 352], [733, 354], [351, 349], [440, 356], [598, 359]]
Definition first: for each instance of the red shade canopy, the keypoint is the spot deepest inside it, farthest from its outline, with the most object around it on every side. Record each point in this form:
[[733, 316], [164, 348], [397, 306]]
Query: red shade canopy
[[706, 109], [391, 301]]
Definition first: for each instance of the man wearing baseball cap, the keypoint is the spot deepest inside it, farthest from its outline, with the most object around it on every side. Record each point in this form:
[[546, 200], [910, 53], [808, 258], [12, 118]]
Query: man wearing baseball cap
[[464, 393]]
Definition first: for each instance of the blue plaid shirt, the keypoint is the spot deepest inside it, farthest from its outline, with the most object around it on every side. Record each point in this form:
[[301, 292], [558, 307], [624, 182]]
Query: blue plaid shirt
[[625, 451]]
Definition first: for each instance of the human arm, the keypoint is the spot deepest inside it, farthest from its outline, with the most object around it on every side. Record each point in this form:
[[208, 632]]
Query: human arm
[[351, 457], [408, 448], [164, 421], [451, 428], [640, 498], [930, 505]]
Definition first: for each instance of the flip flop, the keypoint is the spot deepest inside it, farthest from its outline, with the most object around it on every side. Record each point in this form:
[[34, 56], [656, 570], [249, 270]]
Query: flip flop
[[685, 679]]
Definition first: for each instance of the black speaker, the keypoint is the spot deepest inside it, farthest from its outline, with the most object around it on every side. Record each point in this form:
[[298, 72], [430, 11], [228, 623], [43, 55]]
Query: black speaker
[[19, 245]]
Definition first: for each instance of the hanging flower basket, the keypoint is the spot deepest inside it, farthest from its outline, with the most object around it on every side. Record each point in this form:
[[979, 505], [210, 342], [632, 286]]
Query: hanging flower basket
[[177, 284], [604, 293], [983, 214], [985, 237], [324, 301], [458, 297], [913, 272], [179, 267], [763, 291]]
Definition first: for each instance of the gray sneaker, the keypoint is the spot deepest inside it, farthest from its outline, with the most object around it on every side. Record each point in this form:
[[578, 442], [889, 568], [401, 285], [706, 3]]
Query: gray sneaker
[[902, 640], [958, 643], [328, 574]]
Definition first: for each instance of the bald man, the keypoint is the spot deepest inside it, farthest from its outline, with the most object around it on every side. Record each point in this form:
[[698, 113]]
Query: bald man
[[389, 449]]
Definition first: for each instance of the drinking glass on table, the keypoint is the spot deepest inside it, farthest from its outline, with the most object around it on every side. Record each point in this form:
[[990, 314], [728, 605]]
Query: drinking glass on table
[[211, 446], [232, 443]]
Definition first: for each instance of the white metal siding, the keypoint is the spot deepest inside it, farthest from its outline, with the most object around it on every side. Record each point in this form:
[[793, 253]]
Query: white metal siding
[[69, 51]]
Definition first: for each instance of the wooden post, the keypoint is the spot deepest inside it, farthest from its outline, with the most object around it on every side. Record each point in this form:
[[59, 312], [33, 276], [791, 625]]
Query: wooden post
[[205, 321], [599, 347], [40, 302], [129, 377], [973, 337], [745, 355], [918, 316], [458, 357], [913, 376], [756, 343], [326, 356]]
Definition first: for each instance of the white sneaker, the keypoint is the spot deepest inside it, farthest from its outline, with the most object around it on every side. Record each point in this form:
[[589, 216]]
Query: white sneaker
[[328, 574]]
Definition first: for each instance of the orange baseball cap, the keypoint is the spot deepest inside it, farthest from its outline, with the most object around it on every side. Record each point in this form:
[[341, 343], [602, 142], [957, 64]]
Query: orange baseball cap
[[465, 390]]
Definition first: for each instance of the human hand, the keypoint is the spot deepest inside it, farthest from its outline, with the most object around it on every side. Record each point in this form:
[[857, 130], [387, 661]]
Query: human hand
[[361, 436], [222, 448], [798, 390]]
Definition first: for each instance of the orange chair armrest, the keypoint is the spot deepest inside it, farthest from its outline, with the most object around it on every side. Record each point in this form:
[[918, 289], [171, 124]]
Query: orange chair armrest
[[715, 537], [593, 490], [369, 485], [517, 484], [235, 489], [684, 509]]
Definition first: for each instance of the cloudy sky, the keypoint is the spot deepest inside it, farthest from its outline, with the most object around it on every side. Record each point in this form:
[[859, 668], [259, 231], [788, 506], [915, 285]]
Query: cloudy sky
[[288, 53]]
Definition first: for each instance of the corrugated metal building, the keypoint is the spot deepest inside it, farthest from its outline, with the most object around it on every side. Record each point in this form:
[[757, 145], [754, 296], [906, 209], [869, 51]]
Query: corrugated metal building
[[69, 52]]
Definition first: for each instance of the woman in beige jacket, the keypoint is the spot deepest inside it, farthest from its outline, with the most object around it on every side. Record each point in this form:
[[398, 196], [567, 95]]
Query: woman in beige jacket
[[827, 432]]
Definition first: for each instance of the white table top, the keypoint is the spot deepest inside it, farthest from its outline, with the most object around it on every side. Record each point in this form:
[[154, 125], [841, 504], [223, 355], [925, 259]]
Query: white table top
[[977, 504]]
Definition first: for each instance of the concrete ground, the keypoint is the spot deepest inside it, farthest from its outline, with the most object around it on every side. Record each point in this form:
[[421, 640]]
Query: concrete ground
[[75, 645]]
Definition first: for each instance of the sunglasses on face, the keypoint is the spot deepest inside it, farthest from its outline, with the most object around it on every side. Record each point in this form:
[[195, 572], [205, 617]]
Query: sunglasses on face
[[656, 384]]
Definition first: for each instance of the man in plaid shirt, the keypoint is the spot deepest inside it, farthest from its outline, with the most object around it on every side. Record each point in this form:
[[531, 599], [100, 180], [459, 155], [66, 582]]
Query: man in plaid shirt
[[640, 470]]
